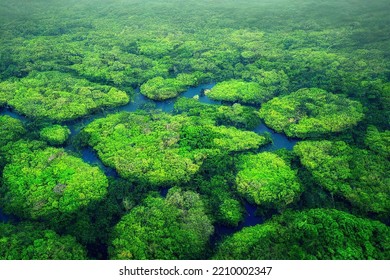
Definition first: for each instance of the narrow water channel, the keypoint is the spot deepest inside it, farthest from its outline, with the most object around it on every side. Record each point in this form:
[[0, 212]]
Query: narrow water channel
[[279, 141]]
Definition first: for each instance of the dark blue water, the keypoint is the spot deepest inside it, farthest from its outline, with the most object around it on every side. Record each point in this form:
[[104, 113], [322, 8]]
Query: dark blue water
[[9, 112], [141, 102], [90, 156], [279, 141], [250, 219], [164, 192], [3, 217], [166, 106]]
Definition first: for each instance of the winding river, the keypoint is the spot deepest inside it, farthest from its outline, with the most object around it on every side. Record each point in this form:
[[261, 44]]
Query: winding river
[[139, 101]]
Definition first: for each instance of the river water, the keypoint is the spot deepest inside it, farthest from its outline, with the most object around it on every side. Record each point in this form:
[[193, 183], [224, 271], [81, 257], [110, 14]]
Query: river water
[[139, 101]]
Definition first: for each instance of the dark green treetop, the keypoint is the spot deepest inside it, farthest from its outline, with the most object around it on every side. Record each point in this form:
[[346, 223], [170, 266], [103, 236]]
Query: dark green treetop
[[357, 175], [312, 234], [377, 141], [172, 228]]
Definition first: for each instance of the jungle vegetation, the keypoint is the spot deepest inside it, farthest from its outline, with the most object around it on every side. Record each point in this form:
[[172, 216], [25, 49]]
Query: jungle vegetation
[[83, 175]]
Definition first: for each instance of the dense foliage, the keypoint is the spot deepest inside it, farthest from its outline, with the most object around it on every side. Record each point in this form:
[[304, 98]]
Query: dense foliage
[[312, 234], [357, 175], [267, 180], [202, 75], [172, 228], [377, 141], [237, 91], [311, 112], [10, 129], [58, 96], [48, 184], [262, 86], [30, 241], [235, 115], [160, 149], [55, 134], [159, 88]]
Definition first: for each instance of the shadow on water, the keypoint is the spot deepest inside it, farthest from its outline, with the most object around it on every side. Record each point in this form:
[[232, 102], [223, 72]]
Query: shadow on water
[[250, 219], [3, 217], [164, 192]]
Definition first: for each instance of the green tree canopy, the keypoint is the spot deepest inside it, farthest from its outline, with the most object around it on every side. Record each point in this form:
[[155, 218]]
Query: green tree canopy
[[312, 234], [10, 129], [172, 228], [267, 180], [311, 112], [160, 149], [377, 141], [357, 175], [55, 134], [58, 96], [30, 241], [239, 91], [160, 88], [48, 184], [236, 115]]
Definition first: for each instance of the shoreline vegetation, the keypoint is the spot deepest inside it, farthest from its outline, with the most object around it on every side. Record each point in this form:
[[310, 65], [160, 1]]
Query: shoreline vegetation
[[199, 130]]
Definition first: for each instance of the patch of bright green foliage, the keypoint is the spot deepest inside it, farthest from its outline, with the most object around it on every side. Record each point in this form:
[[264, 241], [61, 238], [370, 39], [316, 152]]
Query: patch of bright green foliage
[[10, 129], [172, 228], [55, 134], [237, 91], [159, 88], [267, 180], [31, 241], [357, 175], [58, 96], [161, 149], [47, 184], [311, 112], [261, 87], [236, 115]]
